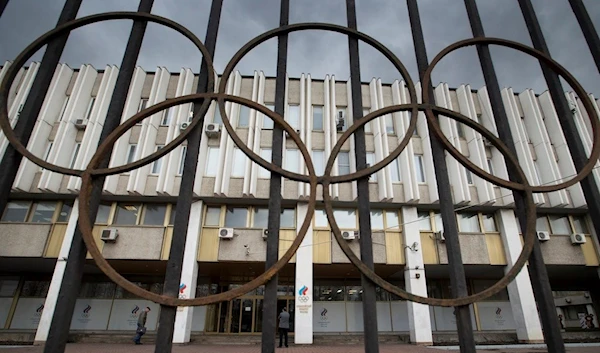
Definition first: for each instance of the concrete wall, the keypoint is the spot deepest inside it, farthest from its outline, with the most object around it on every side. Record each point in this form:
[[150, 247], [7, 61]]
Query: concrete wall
[[23, 240]]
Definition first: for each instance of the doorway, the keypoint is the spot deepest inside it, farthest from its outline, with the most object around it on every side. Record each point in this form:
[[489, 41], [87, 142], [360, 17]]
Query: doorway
[[244, 315]]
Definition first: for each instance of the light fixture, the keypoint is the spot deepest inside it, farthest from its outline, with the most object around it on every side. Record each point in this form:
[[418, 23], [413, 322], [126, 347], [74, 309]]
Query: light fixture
[[414, 247], [339, 291]]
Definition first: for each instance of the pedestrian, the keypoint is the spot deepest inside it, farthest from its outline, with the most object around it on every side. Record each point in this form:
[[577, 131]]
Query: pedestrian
[[141, 326], [284, 326]]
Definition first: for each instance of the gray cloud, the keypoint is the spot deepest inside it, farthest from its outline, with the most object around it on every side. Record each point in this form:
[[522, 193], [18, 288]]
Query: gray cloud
[[318, 53]]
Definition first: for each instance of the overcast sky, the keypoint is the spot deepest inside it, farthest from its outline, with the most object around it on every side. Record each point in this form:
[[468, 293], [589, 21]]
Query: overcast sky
[[318, 53]]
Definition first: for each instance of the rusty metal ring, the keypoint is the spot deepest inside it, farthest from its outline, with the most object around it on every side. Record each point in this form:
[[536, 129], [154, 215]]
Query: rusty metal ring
[[498, 286], [552, 64], [359, 122], [68, 27], [86, 226]]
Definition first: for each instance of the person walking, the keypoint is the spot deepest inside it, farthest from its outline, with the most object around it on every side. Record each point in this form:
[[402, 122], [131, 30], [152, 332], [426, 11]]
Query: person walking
[[284, 326], [141, 326]]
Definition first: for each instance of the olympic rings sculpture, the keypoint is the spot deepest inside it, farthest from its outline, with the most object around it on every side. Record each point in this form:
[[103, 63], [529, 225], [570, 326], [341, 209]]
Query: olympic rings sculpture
[[93, 171]]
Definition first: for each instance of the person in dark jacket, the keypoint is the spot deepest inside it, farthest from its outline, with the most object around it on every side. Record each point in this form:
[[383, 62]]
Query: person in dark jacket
[[141, 326], [284, 326]]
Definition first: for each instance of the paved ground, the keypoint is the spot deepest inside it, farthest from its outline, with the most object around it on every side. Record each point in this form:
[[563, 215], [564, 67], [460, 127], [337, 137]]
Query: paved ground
[[384, 348]]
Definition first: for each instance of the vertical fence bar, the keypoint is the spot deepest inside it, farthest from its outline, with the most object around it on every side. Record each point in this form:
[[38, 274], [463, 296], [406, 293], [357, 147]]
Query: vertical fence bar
[[537, 268], [65, 304], [588, 29], [369, 302], [269, 319], [565, 116], [166, 327], [3, 4], [458, 280], [33, 104]]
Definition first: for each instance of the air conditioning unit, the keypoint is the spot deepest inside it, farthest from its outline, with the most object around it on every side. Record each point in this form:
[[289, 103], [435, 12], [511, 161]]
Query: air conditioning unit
[[80, 124], [487, 143], [348, 234], [340, 121], [183, 126], [287, 134], [543, 235], [212, 129], [439, 236], [226, 233], [109, 235], [577, 238], [265, 233]]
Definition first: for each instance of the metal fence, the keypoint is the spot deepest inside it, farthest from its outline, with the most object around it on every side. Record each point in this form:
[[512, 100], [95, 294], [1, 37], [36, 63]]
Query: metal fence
[[93, 176]]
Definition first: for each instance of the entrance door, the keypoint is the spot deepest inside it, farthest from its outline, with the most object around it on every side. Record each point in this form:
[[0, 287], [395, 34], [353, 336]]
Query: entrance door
[[289, 305]]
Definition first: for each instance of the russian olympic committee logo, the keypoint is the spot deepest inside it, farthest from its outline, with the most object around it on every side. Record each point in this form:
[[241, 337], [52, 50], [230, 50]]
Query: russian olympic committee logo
[[303, 294]]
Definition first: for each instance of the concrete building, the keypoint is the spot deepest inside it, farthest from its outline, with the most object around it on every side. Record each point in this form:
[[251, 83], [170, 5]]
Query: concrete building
[[232, 193]]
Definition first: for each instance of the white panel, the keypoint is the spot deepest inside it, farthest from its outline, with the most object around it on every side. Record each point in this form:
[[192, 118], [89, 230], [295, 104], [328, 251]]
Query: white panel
[[27, 314], [125, 312], [495, 316], [354, 311], [330, 317], [91, 314], [49, 114], [119, 153], [199, 319], [5, 304], [305, 130], [445, 320], [352, 148], [64, 141], [423, 130], [379, 132], [399, 316], [385, 151], [253, 142], [303, 318], [534, 122], [233, 87], [225, 148], [406, 160], [336, 187]]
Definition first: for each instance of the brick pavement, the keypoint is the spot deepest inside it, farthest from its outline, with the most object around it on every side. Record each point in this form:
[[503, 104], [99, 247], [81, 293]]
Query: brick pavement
[[384, 348]]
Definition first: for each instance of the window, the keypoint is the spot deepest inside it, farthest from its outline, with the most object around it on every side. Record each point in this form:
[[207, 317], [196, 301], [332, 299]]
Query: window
[[63, 110], [344, 163], [419, 168], [489, 223], [265, 153], [541, 224], [460, 130], [16, 211], [329, 293], [317, 113], [154, 214], [291, 160], [321, 219], [236, 217], [342, 117], [244, 116], [392, 220], [143, 104], [213, 216], [560, 225], [182, 160], [212, 161], [261, 217], [239, 163], [43, 212], [580, 225], [468, 222], [103, 213], [469, 177], [90, 107], [395, 169], [481, 285], [377, 219], [191, 113], [293, 117], [319, 162], [389, 125], [173, 214], [131, 153], [287, 218], [157, 163], [439, 224], [36, 289], [48, 149], [268, 122], [370, 163], [127, 214], [65, 211], [490, 166], [354, 293], [74, 156], [97, 290], [424, 220], [345, 218], [525, 129], [167, 116]]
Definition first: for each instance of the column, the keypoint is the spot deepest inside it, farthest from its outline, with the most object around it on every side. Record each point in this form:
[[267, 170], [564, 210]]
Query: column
[[41, 335], [303, 319], [414, 277], [189, 275], [520, 292]]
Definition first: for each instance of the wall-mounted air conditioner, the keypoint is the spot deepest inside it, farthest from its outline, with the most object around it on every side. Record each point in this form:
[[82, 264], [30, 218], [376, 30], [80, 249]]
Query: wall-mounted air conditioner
[[577, 238], [543, 235], [109, 235], [226, 233], [212, 129]]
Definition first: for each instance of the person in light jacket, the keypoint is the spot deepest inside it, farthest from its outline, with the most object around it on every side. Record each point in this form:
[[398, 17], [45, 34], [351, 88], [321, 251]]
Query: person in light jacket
[[141, 326], [284, 326]]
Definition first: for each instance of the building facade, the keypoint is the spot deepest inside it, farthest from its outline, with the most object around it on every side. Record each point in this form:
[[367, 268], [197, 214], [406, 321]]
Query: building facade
[[225, 246]]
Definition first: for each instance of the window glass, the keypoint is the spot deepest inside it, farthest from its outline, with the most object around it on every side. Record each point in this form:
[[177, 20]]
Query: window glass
[[469, 222], [261, 217], [377, 219], [321, 219], [182, 160], [37, 289], [354, 293], [371, 162], [469, 177], [63, 109], [293, 117], [213, 216], [244, 116], [268, 122], [424, 220], [103, 213], [580, 225], [328, 293], [291, 160], [173, 214], [395, 169], [288, 218], [65, 211], [317, 113], [48, 150], [319, 162], [392, 220], [366, 112], [155, 214], [381, 295], [345, 218], [343, 163], [239, 163], [167, 116], [419, 168], [98, 290], [158, 163], [341, 118], [439, 224], [460, 129], [8, 287], [489, 223], [490, 166], [541, 224], [389, 124], [481, 285], [236, 217], [16, 211], [559, 225], [212, 161], [74, 155], [265, 153], [143, 104], [217, 118], [131, 153], [43, 212], [90, 108], [127, 213]]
